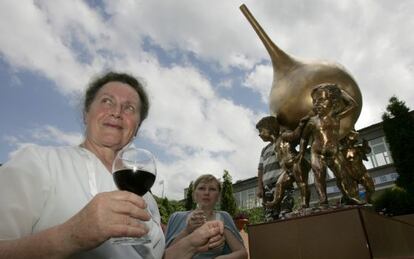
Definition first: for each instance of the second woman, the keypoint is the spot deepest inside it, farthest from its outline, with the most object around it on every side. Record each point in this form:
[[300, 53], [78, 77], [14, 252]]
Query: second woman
[[206, 193]]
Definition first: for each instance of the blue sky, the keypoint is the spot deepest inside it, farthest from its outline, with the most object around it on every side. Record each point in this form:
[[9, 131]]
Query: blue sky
[[207, 73]]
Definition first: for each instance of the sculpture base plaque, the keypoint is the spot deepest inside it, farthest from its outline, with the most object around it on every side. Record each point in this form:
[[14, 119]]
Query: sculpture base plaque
[[356, 233]]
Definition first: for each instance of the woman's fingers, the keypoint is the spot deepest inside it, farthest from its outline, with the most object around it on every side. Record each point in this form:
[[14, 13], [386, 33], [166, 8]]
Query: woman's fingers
[[209, 235], [196, 219], [216, 241], [129, 197], [130, 228], [198, 216], [107, 215], [129, 209], [216, 225]]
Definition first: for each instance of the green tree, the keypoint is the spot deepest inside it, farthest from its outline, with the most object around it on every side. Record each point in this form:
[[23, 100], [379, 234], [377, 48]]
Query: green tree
[[189, 202], [177, 205], [227, 202], [398, 125], [164, 208]]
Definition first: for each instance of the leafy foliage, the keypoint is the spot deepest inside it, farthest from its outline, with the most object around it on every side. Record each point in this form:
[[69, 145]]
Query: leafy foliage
[[167, 207], [256, 215], [399, 128], [189, 202], [398, 125], [395, 201], [227, 202]]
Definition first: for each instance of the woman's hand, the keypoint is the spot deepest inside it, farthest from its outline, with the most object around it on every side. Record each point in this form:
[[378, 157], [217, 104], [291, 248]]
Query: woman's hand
[[210, 235], [196, 219], [109, 214]]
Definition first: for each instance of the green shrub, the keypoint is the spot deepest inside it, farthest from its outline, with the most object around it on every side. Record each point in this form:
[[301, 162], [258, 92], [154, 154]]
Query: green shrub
[[256, 215], [395, 201]]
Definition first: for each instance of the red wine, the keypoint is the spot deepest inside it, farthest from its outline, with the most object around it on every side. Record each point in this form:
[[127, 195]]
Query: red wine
[[138, 182]]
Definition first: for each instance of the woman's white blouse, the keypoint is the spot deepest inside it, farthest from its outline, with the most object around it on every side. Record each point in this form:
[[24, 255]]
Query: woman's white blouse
[[41, 187]]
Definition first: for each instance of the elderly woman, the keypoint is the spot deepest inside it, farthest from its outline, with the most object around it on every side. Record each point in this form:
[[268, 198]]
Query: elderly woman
[[59, 202], [206, 192]]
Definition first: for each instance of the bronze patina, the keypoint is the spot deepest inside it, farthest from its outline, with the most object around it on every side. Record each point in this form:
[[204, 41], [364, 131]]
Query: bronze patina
[[317, 104], [293, 81]]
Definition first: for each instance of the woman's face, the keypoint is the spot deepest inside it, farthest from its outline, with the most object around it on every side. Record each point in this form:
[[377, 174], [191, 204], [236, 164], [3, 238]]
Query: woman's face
[[206, 194], [114, 116]]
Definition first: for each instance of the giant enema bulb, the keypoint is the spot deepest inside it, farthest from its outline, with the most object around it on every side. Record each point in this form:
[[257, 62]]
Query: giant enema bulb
[[293, 81]]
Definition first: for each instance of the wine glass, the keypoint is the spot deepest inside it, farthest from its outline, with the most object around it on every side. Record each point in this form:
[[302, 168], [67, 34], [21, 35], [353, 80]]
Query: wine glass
[[217, 215], [134, 170]]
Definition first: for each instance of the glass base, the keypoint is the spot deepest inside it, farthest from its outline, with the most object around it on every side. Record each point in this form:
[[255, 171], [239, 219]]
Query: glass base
[[129, 241]]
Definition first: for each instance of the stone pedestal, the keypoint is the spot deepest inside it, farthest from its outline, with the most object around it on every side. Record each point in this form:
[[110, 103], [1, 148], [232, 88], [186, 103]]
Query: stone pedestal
[[355, 233]]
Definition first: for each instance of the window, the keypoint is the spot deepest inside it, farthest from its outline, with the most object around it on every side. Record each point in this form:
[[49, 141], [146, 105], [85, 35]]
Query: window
[[247, 199], [251, 198], [380, 154], [237, 197]]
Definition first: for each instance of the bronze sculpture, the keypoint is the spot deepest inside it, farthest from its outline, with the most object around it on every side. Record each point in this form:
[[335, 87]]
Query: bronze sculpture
[[354, 153], [293, 167], [324, 100], [330, 105], [272, 180]]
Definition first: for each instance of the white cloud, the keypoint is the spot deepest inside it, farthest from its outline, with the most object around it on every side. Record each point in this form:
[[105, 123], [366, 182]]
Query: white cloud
[[43, 135], [260, 80], [32, 44], [57, 136], [46, 133]]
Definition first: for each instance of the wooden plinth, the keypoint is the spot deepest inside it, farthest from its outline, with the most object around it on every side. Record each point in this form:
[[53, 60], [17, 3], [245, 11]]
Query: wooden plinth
[[354, 233]]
